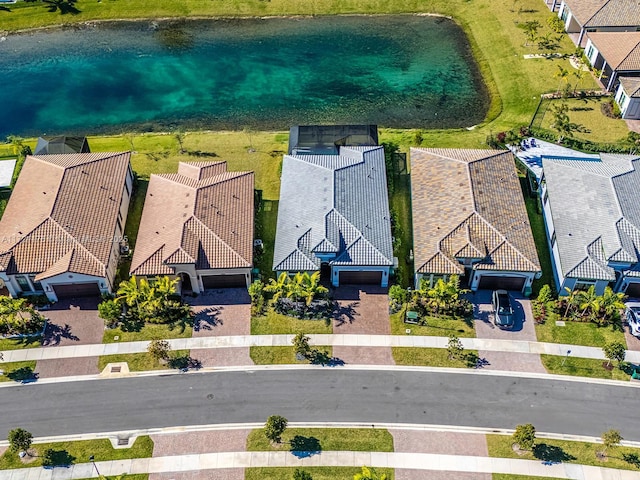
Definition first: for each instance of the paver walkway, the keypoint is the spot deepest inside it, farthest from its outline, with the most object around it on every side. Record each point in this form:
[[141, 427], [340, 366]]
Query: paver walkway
[[490, 345], [413, 461]]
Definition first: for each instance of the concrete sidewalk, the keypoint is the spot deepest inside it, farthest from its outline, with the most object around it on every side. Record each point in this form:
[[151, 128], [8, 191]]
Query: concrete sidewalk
[[415, 461], [354, 340]]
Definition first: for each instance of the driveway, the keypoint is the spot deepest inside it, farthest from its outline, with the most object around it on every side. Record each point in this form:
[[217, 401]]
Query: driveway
[[362, 309], [200, 442], [446, 443], [523, 330], [224, 311]]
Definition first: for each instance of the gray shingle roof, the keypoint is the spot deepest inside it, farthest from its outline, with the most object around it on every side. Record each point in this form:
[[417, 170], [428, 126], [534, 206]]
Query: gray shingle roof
[[605, 13], [333, 203], [631, 86], [595, 208]]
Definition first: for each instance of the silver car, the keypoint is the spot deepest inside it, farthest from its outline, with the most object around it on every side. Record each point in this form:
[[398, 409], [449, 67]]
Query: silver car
[[632, 314]]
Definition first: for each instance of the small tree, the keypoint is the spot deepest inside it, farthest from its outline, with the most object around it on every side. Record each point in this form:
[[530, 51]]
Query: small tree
[[275, 427], [369, 473], [159, 349], [301, 344], [525, 436], [301, 475], [610, 439], [545, 295], [110, 311], [614, 351], [455, 348], [179, 136], [531, 30], [20, 440]]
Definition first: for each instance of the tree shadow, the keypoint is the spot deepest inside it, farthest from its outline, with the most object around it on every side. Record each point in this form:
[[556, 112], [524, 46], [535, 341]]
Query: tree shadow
[[54, 333], [4, 9], [201, 154], [207, 319], [632, 458], [551, 453], [57, 458], [185, 363], [344, 313], [131, 323], [63, 6], [303, 447], [22, 375], [321, 357]]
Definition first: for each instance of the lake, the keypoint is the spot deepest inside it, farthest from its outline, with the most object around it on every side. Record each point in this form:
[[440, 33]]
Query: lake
[[399, 71]]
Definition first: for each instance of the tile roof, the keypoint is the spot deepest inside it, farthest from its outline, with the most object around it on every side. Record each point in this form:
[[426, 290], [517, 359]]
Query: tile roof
[[631, 86], [62, 214], [333, 203], [468, 204], [202, 215], [605, 13], [621, 50], [595, 209]]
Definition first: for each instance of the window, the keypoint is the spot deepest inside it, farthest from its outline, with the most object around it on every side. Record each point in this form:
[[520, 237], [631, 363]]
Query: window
[[622, 99], [564, 14], [553, 239], [584, 284], [23, 283], [37, 286], [589, 51]]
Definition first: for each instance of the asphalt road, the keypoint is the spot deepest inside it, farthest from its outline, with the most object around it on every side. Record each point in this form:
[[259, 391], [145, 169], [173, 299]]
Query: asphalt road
[[320, 395]]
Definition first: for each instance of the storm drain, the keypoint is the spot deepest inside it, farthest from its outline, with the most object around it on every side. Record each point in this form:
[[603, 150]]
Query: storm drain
[[117, 369]]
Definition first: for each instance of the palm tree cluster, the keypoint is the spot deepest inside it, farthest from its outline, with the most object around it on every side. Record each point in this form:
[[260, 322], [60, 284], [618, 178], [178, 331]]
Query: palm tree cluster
[[142, 301], [300, 295], [587, 306], [445, 297], [19, 317]]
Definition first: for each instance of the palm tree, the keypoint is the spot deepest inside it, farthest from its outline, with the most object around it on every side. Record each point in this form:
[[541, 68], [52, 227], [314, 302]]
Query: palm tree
[[562, 74], [579, 74], [278, 287], [16, 142], [611, 303], [571, 300], [129, 292], [588, 300], [312, 287]]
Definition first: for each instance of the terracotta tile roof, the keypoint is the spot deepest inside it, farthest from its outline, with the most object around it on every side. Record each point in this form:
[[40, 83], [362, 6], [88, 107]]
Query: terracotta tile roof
[[202, 215], [605, 13], [62, 214], [468, 204], [621, 50]]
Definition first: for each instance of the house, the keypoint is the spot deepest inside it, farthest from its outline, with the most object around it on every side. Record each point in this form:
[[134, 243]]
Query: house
[[334, 217], [592, 215], [64, 224], [61, 144], [615, 54], [470, 220], [327, 139], [628, 97], [197, 224], [582, 16]]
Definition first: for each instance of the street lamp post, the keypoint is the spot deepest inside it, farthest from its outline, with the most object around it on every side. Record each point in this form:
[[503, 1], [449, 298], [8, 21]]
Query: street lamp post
[[92, 460]]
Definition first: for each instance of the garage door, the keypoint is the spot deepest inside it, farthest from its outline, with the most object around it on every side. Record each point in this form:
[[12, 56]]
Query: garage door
[[77, 290], [504, 283], [633, 290], [224, 281], [360, 278]]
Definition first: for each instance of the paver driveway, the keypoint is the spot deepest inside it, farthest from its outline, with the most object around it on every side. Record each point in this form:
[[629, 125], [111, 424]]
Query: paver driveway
[[224, 311], [363, 309], [523, 330]]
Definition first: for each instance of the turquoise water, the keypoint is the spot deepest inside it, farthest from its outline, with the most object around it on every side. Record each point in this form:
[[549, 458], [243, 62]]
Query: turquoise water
[[396, 71]]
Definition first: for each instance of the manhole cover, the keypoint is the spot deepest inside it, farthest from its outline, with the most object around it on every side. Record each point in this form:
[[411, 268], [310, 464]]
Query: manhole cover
[[116, 370], [210, 396]]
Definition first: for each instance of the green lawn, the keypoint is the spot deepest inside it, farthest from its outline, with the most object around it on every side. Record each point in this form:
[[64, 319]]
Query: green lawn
[[274, 324], [138, 362], [9, 367], [317, 473], [428, 357], [329, 439], [435, 326], [507, 476], [279, 355], [582, 367], [586, 112], [577, 333], [80, 451], [150, 331], [400, 203], [17, 344], [568, 452]]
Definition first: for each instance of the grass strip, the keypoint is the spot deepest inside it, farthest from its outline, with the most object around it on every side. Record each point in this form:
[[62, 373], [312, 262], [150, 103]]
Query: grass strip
[[317, 473], [280, 355], [329, 439], [583, 367]]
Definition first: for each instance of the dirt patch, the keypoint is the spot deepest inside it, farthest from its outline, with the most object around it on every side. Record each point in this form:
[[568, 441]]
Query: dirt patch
[[65, 367], [362, 309], [223, 357], [221, 312], [200, 442]]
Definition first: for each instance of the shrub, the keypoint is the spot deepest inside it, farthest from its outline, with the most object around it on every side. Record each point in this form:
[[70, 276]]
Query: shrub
[[159, 349], [398, 296], [614, 351], [545, 295], [110, 311], [19, 440], [555, 23], [275, 427], [525, 436]]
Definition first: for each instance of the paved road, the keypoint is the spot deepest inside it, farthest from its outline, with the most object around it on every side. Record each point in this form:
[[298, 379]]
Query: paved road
[[321, 395]]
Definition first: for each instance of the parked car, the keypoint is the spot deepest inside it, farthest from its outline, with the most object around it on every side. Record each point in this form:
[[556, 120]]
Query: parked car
[[503, 311], [632, 314]]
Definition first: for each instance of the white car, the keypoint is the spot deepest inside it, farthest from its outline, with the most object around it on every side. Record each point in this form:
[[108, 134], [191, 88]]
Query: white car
[[632, 314]]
